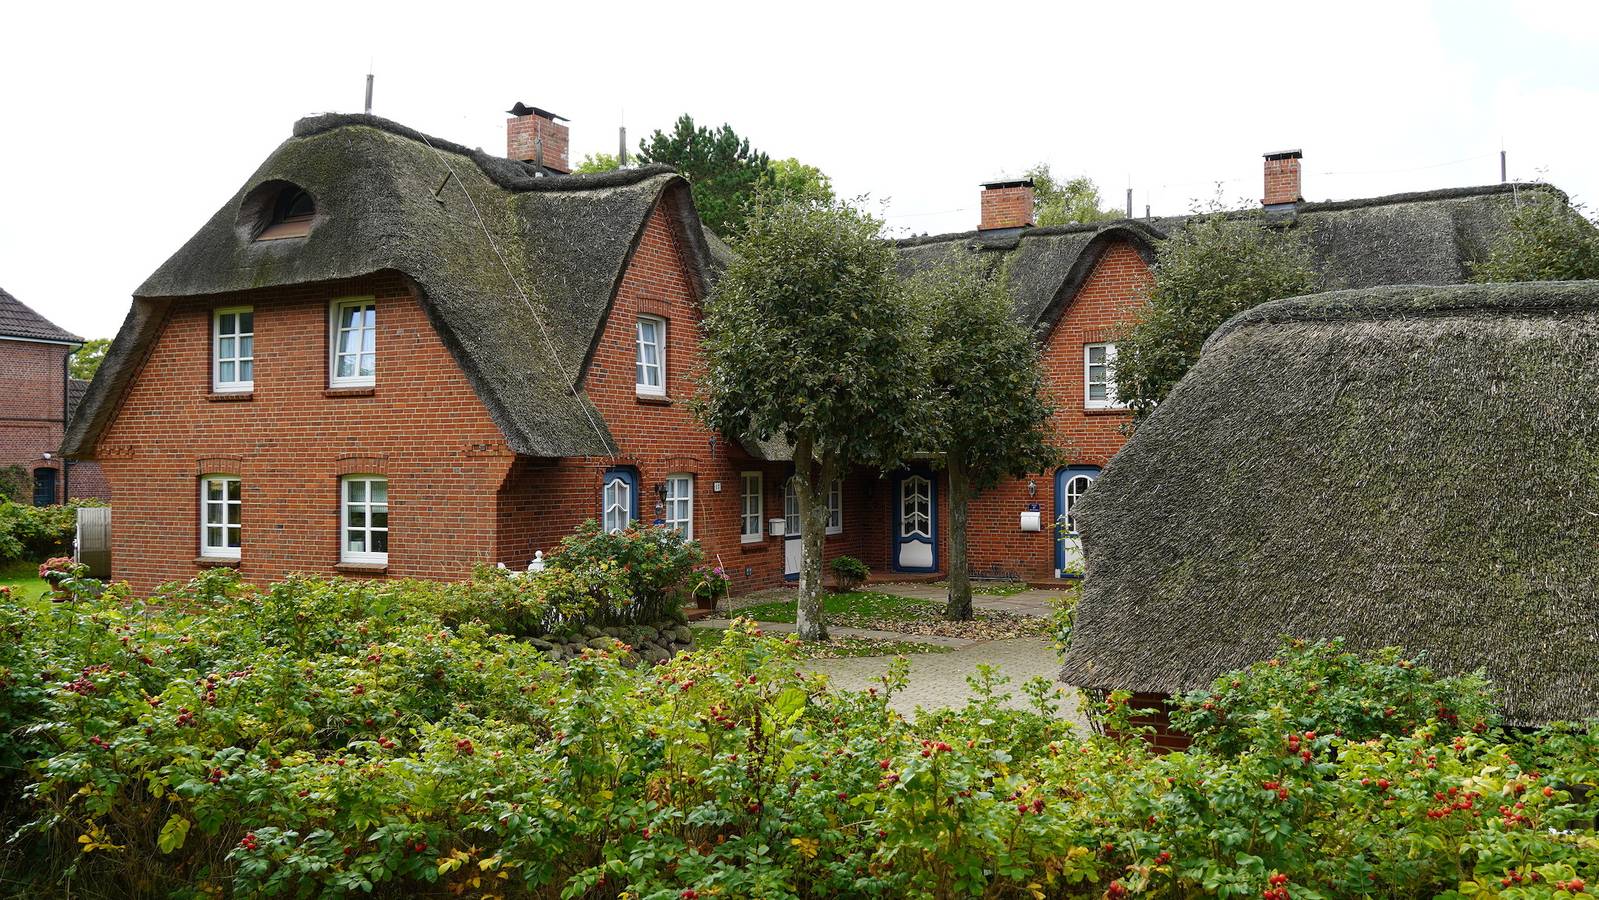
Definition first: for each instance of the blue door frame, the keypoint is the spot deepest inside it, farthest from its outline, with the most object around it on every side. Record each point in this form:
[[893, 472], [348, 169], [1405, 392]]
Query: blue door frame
[[1063, 477], [897, 518]]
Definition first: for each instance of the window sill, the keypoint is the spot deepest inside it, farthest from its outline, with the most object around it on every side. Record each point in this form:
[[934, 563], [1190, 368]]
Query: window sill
[[654, 399], [1107, 411], [752, 543], [353, 568], [217, 562], [335, 392], [230, 396]]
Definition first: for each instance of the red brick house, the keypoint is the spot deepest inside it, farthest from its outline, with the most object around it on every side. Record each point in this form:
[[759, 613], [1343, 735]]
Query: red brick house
[[40, 396], [388, 354], [1078, 285]]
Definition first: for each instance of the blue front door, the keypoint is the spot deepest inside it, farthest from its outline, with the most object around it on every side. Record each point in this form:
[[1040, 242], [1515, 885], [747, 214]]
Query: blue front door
[[1071, 483], [915, 516]]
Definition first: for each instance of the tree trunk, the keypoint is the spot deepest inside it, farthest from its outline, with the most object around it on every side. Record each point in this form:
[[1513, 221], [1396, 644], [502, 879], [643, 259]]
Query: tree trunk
[[810, 489], [959, 606]]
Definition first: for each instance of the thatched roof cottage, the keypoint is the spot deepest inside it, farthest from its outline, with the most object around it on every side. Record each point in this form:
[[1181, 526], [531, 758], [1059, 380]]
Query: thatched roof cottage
[[1401, 465]]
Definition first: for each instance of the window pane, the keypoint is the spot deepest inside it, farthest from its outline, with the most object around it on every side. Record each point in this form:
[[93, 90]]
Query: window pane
[[369, 339], [380, 542], [1096, 355], [247, 322], [247, 345], [233, 536], [246, 371], [213, 489], [349, 341], [213, 536], [380, 517], [225, 372], [347, 316], [225, 323], [380, 491], [370, 316], [232, 485], [368, 363], [1096, 391], [355, 489], [356, 542], [225, 348], [357, 517]]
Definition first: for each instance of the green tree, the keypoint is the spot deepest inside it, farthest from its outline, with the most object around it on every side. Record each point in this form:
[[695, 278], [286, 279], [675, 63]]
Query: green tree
[[1548, 240], [594, 163], [1065, 202], [810, 339], [86, 361], [722, 170], [795, 180], [1215, 267], [990, 408]]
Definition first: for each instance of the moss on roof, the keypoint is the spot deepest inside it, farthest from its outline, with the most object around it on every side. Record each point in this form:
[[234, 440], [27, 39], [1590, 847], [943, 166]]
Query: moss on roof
[[1402, 465], [391, 199]]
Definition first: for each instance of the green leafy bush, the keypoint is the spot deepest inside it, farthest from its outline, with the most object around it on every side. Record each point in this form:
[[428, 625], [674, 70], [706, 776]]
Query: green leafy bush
[[850, 571], [15, 483], [1548, 239], [327, 738], [654, 565], [35, 532]]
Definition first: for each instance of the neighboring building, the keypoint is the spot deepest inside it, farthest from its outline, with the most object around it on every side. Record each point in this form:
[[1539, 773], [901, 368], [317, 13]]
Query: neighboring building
[[390, 355], [40, 395], [1406, 465], [1081, 285]]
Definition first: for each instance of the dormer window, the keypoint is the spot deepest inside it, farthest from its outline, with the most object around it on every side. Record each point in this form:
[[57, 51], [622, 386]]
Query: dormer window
[[292, 211]]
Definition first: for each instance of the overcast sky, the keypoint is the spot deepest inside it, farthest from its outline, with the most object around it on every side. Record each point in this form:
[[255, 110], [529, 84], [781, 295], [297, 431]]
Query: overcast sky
[[125, 126]]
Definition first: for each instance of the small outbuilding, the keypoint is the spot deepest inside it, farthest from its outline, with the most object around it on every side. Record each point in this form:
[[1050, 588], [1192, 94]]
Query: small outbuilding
[[1412, 466]]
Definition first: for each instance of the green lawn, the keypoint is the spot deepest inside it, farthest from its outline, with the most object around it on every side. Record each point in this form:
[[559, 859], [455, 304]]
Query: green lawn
[[23, 579], [837, 648], [853, 605]]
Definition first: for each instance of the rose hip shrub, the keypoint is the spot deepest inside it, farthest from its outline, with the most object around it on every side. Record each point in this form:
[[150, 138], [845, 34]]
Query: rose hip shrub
[[329, 737]]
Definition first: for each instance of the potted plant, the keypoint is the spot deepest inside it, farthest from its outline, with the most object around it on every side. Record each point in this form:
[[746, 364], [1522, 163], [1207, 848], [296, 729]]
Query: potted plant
[[710, 585], [850, 572]]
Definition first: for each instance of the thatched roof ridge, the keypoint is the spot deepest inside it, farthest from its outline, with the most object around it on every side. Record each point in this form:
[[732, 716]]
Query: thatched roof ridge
[[1421, 237], [1400, 465], [389, 198]]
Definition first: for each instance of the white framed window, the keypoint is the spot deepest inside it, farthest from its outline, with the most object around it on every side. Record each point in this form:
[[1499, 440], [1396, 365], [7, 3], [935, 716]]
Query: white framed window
[[364, 519], [1099, 376], [835, 507], [220, 503], [916, 507], [751, 502], [353, 356], [618, 502], [233, 350], [680, 503], [1076, 486], [651, 364]]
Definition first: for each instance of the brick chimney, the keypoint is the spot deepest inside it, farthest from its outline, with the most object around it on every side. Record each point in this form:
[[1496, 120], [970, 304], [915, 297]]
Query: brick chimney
[[1007, 204], [537, 136], [1282, 179]]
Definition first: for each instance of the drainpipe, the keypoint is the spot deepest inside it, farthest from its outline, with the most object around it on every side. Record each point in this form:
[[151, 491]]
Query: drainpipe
[[66, 399]]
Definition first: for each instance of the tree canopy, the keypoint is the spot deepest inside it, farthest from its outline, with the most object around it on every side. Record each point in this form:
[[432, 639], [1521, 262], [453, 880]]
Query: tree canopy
[[723, 171], [86, 361], [1548, 240], [1064, 202], [988, 398], [792, 179], [1214, 268], [594, 163], [810, 340]]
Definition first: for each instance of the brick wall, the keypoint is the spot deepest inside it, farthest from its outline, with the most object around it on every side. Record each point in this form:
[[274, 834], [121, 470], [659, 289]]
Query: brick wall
[[999, 548], [31, 381], [659, 436], [1282, 180], [290, 440]]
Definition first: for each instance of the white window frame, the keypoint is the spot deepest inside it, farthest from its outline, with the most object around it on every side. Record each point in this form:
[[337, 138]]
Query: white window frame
[[237, 385], [1076, 486], [640, 368], [231, 507], [835, 507], [335, 342], [1109, 401], [792, 523], [623, 487], [919, 519], [752, 487], [368, 556], [680, 481]]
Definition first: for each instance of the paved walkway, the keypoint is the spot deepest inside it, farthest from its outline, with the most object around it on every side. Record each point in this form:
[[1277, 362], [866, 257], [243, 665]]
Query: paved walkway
[[840, 631], [939, 679], [1031, 602]]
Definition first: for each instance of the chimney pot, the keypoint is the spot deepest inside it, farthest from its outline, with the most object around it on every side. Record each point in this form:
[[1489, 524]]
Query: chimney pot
[[1282, 179], [537, 135], [1007, 204]]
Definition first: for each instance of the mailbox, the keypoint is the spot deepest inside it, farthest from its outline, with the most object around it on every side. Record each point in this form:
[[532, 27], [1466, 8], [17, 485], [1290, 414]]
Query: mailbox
[[1031, 520], [777, 527]]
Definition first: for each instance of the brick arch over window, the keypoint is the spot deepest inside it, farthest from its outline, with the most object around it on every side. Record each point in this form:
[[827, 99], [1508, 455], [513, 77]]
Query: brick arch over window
[[353, 464], [219, 465]]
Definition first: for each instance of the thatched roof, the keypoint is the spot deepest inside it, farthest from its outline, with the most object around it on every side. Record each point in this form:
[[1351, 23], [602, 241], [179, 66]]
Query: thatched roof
[[386, 201], [1402, 465], [1430, 237], [18, 320]]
